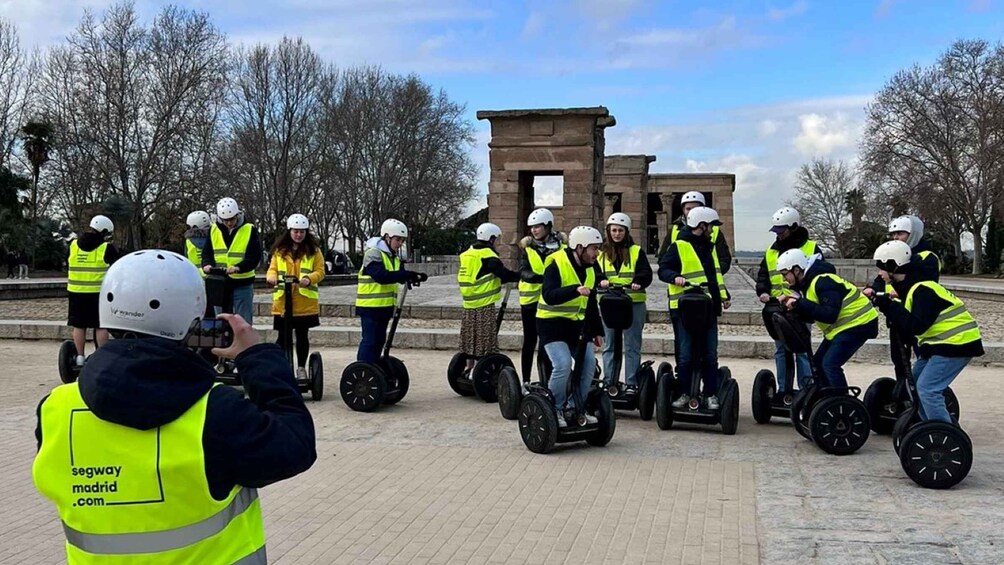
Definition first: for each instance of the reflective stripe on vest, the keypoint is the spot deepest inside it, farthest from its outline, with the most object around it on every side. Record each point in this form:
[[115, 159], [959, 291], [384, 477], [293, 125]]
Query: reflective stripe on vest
[[954, 326], [693, 271], [477, 292], [529, 293], [777, 285], [128, 496], [574, 309], [370, 294], [86, 269], [625, 275], [306, 268], [194, 255], [229, 257], [855, 310]]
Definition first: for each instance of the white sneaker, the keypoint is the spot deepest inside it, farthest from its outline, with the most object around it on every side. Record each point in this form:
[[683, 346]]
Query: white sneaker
[[561, 422], [681, 402], [590, 419], [712, 403], [80, 360], [301, 373]]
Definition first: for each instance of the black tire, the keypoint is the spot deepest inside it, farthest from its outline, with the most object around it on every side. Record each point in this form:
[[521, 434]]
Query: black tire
[[599, 403], [903, 424], [724, 374], [315, 370], [538, 423], [510, 393], [799, 418], [936, 455], [730, 407], [839, 424], [664, 367], [363, 386], [398, 380], [486, 374], [646, 393], [952, 404], [877, 399], [67, 362], [664, 386], [455, 375], [764, 388]]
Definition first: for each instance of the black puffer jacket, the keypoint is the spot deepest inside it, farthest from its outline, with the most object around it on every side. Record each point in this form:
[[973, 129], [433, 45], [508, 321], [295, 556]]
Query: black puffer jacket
[[796, 240]]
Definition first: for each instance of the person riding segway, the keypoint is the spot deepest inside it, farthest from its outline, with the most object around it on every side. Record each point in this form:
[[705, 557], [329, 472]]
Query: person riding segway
[[234, 246], [543, 240]]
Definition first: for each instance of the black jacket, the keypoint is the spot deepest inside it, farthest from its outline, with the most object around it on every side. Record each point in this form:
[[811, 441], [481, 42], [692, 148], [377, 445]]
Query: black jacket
[[794, 241], [831, 297], [494, 266], [721, 246], [92, 240], [562, 329], [252, 257], [920, 269], [642, 271], [146, 383], [927, 306], [671, 267]]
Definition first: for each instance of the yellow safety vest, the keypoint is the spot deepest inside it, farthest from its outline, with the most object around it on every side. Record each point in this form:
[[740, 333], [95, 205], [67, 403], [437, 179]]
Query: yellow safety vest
[[777, 285], [86, 269], [855, 310], [370, 294], [675, 234], [529, 293], [225, 257], [954, 326], [574, 309], [306, 268], [140, 496], [625, 274], [477, 292], [194, 255], [692, 270]]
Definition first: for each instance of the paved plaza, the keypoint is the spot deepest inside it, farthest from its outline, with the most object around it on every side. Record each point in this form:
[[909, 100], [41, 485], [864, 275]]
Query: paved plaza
[[444, 479]]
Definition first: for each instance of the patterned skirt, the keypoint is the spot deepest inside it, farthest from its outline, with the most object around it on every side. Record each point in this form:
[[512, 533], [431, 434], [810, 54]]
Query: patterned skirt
[[477, 332]]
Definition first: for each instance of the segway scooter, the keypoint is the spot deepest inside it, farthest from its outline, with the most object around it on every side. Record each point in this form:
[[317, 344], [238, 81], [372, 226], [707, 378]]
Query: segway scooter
[[483, 379], [766, 402], [314, 383], [617, 310], [538, 422], [695, 310], [220, 292], [834, 418], [365, 386], [67, 362]]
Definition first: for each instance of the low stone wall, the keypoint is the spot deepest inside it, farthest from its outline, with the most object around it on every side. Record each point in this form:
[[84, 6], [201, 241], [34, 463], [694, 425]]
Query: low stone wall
[[857, 271]]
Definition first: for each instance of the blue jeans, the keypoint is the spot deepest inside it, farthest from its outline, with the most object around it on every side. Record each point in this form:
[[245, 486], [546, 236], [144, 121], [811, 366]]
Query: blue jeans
[[243, 302], [374, 336], [802, 367], [832, 355], [686, 358], [632, 348], [933, 376], [561, 358]]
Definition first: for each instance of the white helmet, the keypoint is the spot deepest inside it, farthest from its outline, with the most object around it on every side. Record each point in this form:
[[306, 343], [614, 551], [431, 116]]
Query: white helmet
[[702, 215], [102, 224], [902, 223], [297, 222], [227, 208], [152, 292], [584, 236], [892, 255], [620, 219], [792, 258], [199, 220], [540, 216], [693, 196], [487, 231], [786, 217], [393, 228]]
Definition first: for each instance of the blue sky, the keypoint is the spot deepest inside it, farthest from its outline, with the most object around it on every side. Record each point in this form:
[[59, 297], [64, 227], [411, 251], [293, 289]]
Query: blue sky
[[753, 88]]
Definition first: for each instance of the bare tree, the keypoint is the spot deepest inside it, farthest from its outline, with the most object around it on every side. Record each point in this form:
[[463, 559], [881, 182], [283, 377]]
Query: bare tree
[[821, 189], [15, 78]]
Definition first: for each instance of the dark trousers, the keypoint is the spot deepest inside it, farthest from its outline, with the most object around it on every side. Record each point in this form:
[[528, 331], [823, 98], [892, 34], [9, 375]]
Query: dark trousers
[[302, 343], [832, 355], [374, 334], [528, 315]]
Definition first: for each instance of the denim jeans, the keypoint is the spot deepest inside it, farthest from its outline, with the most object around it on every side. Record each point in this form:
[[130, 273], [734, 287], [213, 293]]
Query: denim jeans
[[686, 358], [832, 355], [243, 302], [561, 358], [632, 348], [374, 336], [933, 376], [802, 367]]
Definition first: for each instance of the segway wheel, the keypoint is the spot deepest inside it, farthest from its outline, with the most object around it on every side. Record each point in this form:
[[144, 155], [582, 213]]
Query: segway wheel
[[398, 380], [510, 393], [363, 386], [455, 375], [878, 397], [764, 388], [839, 425], [664, 386], [729, 407], [902, 426], [952, 403], [538, 423], [799, 419], [664, 367], [599, 403], [315, 369], [67, 362], [646, 393], [936, 455], [486, 374]]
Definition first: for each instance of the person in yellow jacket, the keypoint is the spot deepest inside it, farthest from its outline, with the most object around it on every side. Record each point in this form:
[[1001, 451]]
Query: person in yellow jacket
[[90, 256], [146, 459], [296, 253]]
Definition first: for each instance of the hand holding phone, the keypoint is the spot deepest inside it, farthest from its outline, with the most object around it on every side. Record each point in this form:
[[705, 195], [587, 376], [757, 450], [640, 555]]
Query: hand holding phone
[[211, 333]]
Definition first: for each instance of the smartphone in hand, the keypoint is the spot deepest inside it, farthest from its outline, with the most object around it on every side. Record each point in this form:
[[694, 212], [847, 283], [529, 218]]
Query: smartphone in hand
[[211, 333]]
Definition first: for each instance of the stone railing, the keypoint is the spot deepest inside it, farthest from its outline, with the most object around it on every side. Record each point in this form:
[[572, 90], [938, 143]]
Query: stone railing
[[857, 271]]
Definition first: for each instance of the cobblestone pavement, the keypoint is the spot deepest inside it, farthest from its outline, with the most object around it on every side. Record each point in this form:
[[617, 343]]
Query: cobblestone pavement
[[444, 479]]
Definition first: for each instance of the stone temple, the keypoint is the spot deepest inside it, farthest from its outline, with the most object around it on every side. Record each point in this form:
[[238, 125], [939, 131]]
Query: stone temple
[[569, 142]]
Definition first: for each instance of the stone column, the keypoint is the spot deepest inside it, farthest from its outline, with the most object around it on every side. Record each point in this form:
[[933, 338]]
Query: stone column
[[610, 202], [662, 220], [667, 204]]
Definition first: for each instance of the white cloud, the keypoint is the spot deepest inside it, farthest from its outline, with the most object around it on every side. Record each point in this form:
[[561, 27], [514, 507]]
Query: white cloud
[[821, 135], [767, 128], [780, 14]]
